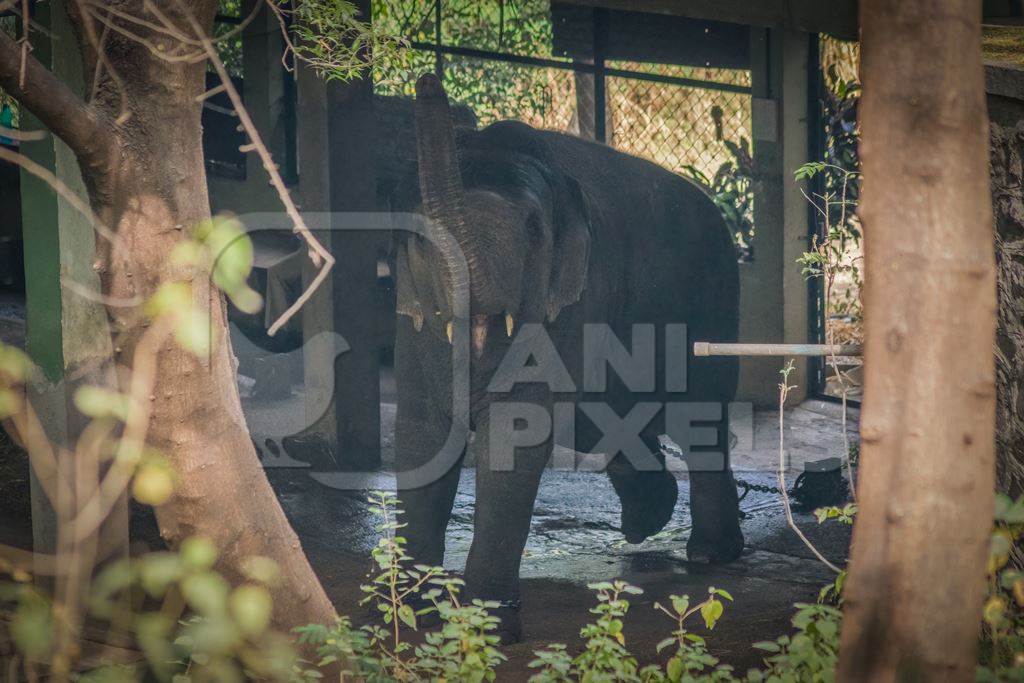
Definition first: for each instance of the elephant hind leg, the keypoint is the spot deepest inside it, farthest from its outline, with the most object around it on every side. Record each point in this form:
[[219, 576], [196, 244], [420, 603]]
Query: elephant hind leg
[[648, 498], [716, 537]]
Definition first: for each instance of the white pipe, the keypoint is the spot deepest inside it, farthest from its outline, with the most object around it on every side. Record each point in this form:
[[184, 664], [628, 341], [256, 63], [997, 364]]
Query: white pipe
[[714, 349]]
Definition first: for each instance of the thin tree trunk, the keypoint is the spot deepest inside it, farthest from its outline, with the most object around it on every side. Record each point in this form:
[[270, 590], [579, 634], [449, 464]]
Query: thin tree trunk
[[916, 584], [146, 180]]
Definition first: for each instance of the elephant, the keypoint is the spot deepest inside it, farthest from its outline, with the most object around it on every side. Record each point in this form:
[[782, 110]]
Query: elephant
[[559, 236]]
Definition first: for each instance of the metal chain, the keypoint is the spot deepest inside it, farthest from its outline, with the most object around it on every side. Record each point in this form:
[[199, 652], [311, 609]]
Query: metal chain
[[748, 487]]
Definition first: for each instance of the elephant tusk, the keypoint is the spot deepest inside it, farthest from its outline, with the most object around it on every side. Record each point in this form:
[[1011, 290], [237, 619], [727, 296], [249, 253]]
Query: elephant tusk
[[509, 324], [448, 331]]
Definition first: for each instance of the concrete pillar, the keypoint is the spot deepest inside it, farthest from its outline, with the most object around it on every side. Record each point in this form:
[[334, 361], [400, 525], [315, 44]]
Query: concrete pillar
[[773, 293], [314, 195], [263, 92], [264, 77], [795, 229], [67, 335], [336, 153]]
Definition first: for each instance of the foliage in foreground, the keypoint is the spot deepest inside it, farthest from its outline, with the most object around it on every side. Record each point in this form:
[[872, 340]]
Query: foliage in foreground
[[1002, 643], [190, 625]]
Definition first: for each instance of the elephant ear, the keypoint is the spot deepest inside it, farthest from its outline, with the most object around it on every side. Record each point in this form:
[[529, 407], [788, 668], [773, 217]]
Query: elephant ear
[[570, 249]]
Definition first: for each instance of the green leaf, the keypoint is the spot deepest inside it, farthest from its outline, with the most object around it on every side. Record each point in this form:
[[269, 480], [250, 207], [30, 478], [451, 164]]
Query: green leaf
[[198, 552], [665, 643], [153, 631], [14, 363], [206, 592], [246, 300], [10, 403], [153, 484], [674, 669], [187, 253], [232, 253], [408, 616], [261, 569], [251, 607], [994, 611], [680, 603], [113, 579], [194, 332], [32, 626], [99, 402], [157, 571], [711, 611], [170, 297]]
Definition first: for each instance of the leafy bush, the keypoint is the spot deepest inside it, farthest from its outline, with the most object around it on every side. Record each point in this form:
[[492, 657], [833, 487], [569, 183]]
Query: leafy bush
[[732, 190], [183, 616], [190, 625], [810, 654], [465, 647], [1002, 645]]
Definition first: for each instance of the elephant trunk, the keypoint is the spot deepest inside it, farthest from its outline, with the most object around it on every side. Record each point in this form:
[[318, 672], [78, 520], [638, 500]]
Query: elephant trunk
[[441, 189]]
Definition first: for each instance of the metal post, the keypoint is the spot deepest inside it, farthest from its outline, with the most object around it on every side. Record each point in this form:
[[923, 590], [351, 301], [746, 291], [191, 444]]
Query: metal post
[[600, 38], [817, 308], [715, 349], [438, 54]]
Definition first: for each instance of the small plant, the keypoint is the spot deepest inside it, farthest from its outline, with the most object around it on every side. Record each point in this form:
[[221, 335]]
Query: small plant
[[810, 654], [843, 515], [605, 657], [830, 260], [833, 593], [691, 659], [463, 649]]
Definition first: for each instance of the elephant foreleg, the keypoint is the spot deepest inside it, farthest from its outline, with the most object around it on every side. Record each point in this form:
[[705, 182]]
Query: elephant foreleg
[[428, 507], [427, 473], [507, 478]]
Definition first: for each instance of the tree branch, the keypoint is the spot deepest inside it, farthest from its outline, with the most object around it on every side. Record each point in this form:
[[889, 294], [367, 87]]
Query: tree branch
[[60, 110]]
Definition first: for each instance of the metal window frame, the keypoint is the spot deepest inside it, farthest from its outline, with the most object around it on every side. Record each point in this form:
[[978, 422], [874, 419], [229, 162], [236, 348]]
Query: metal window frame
[[597, 68], [576, 65], [816, 306]]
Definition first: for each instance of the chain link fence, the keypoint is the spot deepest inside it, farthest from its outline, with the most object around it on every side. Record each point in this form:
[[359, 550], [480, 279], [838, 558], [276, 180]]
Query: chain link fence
[[497, 59], [679, 127]]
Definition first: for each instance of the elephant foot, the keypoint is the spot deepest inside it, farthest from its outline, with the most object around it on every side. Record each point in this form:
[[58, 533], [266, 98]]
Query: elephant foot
[[510, 628], [716, 537], [720, 549], [648, 501]]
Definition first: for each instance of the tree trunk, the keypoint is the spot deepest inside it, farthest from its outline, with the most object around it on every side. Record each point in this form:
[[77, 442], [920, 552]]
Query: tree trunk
[[142, 162], [917, 571]]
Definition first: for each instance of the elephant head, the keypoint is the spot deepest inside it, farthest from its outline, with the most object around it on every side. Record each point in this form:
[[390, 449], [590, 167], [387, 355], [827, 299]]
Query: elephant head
[[522, 225]]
